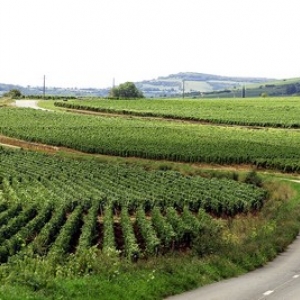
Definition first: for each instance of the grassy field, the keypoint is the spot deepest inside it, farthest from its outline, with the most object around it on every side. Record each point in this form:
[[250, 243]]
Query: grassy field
[[77, 226]]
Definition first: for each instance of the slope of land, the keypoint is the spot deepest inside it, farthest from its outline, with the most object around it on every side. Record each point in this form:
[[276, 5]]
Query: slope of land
[[276, 88], [69, 222], [171, 85], [193, 84]]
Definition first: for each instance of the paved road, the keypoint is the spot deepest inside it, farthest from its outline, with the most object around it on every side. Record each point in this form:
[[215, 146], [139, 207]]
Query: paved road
[[278, 280]]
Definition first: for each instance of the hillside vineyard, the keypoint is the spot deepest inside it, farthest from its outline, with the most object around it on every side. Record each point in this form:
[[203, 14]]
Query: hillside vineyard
[[155, 139], [52, 206]]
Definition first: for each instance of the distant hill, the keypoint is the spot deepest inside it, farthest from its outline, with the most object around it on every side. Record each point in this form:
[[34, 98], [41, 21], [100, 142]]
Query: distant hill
[[275, 88], [55, 91], [195, 84]]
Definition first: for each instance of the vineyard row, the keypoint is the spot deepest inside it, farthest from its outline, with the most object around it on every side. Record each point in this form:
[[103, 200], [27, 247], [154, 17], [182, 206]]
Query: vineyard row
[[55, 232], [276, 112], [160, 140]]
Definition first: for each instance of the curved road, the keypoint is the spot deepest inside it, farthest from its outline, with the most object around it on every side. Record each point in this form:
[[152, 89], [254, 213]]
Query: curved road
[[278, 280], [29, 104]]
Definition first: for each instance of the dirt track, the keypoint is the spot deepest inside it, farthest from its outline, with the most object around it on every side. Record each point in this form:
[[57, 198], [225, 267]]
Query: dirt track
[[28, 103]]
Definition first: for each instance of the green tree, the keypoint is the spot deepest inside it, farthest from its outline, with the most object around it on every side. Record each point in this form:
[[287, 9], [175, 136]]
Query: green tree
[[14, 93], [264, 95], [126, 90]]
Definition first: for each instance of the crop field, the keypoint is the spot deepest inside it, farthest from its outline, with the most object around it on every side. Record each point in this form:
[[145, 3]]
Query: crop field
[[77, 226], [266, 112], [59, 206], [157, 139]]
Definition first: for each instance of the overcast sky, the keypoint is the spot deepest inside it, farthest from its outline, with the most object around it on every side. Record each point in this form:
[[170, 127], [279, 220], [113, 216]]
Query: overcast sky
[[87, 43]]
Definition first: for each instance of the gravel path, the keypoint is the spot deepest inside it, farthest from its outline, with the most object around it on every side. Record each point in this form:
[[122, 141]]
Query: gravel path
[[29, 104]]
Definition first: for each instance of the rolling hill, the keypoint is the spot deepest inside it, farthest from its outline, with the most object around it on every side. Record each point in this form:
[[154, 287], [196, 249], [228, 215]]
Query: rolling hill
[[194, 84]]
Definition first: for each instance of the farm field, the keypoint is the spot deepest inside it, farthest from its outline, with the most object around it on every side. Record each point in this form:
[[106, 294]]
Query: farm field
[[266, 112], [84, 220], [107, 195], [157, 139], [77, 226]]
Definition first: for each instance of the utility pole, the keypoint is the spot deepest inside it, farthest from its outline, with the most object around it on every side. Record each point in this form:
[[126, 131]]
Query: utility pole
[[244, 92], [44, 89], [183, 88]]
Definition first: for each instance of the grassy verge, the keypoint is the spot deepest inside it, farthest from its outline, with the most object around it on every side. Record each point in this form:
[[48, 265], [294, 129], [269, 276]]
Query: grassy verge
[[6, 102], [248, 241], [49, 104]]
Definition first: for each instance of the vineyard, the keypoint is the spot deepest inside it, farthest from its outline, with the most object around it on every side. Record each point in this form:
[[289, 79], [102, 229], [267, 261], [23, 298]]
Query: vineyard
[[269, 112], [52, 206], [153, 139], [74, 225]]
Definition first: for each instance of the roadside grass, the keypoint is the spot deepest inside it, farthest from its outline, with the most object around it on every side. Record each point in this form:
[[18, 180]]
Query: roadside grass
[[154, 279], [48, 104], [4, 102]]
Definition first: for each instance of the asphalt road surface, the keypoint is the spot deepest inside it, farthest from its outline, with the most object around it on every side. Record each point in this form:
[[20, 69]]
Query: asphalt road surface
[[278, 280]]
